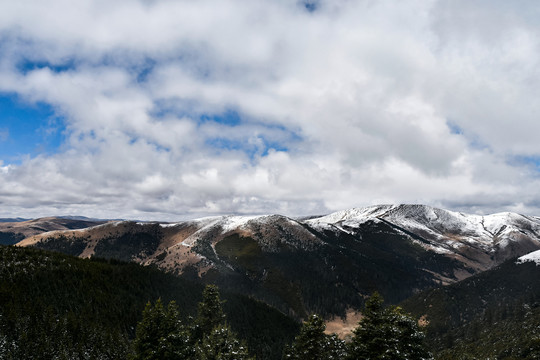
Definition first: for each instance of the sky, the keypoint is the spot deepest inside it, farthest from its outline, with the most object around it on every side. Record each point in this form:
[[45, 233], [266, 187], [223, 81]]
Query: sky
[[170, 110]]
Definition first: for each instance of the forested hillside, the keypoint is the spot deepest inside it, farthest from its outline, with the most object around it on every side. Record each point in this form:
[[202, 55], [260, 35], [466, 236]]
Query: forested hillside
[[493, 315], [57, 305]]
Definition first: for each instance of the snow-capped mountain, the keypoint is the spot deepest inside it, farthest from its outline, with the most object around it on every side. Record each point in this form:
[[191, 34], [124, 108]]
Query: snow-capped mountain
[[295, 264], [479, 241]]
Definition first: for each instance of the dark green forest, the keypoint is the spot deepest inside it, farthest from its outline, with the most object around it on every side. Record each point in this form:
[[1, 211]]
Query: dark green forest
[[492, 315], [384, 333], [54, 306]]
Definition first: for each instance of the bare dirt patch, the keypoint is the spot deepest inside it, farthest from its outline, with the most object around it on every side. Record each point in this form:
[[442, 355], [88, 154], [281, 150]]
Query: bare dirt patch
[[344, 327]]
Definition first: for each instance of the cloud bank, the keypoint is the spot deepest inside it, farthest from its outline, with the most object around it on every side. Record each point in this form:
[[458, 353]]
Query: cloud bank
[[178, 109]]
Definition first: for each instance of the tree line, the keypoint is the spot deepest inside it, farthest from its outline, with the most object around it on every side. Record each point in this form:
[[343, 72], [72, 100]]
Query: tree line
[[383, 333]]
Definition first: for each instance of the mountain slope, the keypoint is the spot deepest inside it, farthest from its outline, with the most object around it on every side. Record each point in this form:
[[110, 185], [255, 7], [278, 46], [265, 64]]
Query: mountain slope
[[289, 265], [323, 264], [52, 303], [494, 314]]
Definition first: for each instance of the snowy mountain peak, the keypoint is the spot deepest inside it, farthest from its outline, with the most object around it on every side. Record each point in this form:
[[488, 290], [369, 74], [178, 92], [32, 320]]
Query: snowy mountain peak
[[236, 222], [497, 236], [418, 213], [352, 214]]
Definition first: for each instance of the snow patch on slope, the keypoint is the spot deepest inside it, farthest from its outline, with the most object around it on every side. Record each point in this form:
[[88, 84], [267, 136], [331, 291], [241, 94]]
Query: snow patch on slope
[[203, 225], [223, 223], [346, 220], [357, 214], [231, 223], [531, 257], [168, 225]]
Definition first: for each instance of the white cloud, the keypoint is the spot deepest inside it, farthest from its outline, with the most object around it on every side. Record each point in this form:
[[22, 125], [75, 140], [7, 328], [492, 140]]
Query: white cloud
[[349, 105]]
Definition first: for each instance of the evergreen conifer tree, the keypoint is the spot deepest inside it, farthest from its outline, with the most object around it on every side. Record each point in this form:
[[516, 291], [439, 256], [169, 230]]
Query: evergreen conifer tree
[[214, 339], [312, 343], [221, 344], [160, 334], [209, 313], [387, 334]]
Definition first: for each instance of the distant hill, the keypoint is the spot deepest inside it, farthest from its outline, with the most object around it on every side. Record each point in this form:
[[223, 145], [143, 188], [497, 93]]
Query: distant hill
[[12, 232], [2, 220]]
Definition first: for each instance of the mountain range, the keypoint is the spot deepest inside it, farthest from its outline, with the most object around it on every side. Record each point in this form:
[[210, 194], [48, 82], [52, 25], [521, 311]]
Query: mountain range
[[472, 279], [324, 264]]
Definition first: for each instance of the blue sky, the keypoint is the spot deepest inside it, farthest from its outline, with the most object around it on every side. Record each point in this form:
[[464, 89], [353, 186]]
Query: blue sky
[[28, 129], [171, 110]]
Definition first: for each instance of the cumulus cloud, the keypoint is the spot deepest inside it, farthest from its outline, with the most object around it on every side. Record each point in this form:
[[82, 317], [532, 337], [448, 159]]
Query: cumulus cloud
[[176, 109]]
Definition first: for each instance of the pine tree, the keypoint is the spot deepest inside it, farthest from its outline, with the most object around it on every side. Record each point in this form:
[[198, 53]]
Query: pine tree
[[531, 350], [221, 344], [209, 313], [312, 343], [214, 339], [336, 349], [160, 334], [387, 334]]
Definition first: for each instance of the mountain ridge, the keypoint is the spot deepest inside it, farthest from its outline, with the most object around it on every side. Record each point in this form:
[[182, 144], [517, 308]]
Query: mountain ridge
[[491, 238], [397, 250]]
